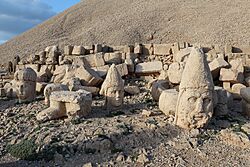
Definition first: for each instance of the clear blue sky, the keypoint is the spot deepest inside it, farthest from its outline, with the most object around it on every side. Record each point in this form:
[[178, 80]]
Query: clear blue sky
[[60, 5], [17, 16]]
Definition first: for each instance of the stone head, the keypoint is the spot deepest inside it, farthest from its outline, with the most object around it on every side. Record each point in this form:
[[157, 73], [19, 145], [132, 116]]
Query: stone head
[[25, 84], [113, 88], [196, 92]]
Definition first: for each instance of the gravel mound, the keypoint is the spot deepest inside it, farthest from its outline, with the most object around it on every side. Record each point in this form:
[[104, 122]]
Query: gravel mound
[[116, 22]]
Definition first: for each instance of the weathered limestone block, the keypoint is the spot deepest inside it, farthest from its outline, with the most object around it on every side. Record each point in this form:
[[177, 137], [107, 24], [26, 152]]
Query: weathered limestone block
[[175, 48], [25, 85], [216, 65], [122, 69], [168, 101], [94, 60], [175, 71], [66, 103], [51, 48], [162, 49], [123, 49], [52, 88], [52, 57], [102, 70], [45, 73], [221, 108], [196, 91], [132, 90], [158, 87], [132, 56], [113, 89], [228, 75], [236, 90], [113, 58], [138, 49], [78, 50], [68, 49], [10, 89], [88, 76], [59, 73], [182, 55], [148, 67]]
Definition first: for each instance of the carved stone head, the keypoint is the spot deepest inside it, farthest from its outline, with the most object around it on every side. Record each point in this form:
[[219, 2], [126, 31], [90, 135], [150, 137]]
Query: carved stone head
[[113, 89], [195, 100], [26, 84]]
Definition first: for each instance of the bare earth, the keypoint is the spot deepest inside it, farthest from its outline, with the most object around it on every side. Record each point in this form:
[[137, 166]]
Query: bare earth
[[122, 138], [130, 21]]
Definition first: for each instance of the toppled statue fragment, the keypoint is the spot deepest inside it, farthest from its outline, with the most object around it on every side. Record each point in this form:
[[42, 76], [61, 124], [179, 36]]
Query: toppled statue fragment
[[25, 85], [67, 104], [113, 89], [195, 100]]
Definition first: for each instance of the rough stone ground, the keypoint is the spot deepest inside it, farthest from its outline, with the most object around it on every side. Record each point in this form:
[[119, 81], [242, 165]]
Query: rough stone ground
[[121, 138], [115, 22]]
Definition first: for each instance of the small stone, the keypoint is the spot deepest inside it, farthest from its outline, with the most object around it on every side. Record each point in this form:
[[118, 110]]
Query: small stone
[[236, 88], [147, 113], [142, 158], [132, 90], [120, 158]]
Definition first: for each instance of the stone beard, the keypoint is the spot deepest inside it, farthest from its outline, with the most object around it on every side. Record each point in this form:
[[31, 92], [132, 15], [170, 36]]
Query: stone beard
[[195, 108]]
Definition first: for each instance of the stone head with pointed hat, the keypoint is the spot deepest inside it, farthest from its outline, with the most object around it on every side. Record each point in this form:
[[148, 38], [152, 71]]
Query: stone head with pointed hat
[[113, 89], [195, 101], [25, 84]]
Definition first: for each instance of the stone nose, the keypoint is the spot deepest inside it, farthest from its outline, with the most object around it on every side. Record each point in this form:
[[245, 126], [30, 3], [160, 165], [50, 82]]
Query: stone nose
[[199, 105], [117, 94]]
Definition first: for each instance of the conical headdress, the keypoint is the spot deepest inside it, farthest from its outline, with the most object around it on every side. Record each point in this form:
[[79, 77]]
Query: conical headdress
[[196, 73], [113, 79]]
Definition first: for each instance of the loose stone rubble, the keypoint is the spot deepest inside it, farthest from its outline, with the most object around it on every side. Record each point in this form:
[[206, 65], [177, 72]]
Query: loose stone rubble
[[189, 85]]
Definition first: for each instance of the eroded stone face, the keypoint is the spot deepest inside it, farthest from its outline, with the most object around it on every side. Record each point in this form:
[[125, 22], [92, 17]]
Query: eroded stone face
[[26, 91], [25, 85], [113, 89], [196, 92], [115, 96], [195, 108]]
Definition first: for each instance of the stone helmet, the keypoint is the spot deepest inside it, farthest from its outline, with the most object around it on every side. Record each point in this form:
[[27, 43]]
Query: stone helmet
[[27, 74]]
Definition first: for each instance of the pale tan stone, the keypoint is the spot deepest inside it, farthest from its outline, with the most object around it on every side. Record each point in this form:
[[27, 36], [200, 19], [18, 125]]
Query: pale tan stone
[[130, 65], [102, 70], [40, 87], [182, 55], [236, 88], [175, 48], [68, 49], [196, 92], [158, 87], [227, 86], [97, 48], [78, 50], [162, 49], [228, 49], [175, 71], [25, 85], [149, 67], [168, 101], [52, 88], [122, 69], [221, 108], [132, 90], [113, 58], [66, 103], [113, 89], [216, 65], [88, 76]]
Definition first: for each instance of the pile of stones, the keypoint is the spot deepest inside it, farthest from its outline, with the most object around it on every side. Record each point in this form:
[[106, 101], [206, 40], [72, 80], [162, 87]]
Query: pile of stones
[[182, 77]]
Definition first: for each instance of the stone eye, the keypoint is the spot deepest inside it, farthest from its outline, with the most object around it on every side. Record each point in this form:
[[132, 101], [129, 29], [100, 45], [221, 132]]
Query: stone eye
[[192, 99]]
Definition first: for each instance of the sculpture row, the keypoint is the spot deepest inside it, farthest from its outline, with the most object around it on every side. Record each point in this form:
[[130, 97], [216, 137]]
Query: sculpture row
[[196, 98]]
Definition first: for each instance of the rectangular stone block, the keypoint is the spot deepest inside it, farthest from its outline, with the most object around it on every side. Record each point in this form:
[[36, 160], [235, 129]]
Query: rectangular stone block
[[149, 67], [78, 50], [97, 48], [228, 75], [162, 49], [88, 76], [113, 58], [227, 86], [68, 49], [216, 65], [94, 60], [175, 48], [122, 69], [102, 70]]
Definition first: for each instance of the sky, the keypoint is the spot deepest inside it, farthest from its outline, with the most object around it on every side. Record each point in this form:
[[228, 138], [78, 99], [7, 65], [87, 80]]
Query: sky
[[17, 16]]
